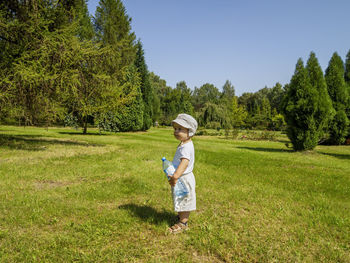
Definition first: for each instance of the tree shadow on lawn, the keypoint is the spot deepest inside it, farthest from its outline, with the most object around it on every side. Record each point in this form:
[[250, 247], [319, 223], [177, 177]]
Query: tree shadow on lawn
[[149, 214], [81, 133], [260, 149], [34, 142], [337, 155]]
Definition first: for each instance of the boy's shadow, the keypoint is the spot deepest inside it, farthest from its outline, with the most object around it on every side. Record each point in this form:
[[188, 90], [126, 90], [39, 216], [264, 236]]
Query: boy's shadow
[[149, 214]]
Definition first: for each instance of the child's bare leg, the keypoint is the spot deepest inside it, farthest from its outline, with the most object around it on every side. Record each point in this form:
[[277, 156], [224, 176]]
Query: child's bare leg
[[184, 216]]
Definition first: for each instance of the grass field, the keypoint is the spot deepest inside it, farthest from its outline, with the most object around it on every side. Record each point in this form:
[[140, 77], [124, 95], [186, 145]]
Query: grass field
[[69, 197]]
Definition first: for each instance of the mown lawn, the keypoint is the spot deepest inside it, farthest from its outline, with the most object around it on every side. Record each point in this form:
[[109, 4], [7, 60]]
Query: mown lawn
[[69, 197]]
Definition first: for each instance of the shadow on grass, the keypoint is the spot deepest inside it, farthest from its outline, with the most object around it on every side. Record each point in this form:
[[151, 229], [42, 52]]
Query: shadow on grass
[[149, 214], [34, 142], [337, 155], [81, 133], [260, 149]]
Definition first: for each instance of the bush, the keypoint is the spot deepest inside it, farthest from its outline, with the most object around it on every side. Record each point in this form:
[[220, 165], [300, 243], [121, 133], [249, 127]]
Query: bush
[[234, 133], [208, 132], [259, 136], [213, 125]]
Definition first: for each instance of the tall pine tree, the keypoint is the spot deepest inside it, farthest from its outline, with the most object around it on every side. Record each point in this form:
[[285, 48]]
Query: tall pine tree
[[300, 104], [347, 81], [339, 95], [347, 69], [324, 111], [158, 86], [184, 104], [146, 88], [113, 29]]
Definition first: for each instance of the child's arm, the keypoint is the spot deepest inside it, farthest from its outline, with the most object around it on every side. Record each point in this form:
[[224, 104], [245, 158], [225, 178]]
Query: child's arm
[[179, 171]]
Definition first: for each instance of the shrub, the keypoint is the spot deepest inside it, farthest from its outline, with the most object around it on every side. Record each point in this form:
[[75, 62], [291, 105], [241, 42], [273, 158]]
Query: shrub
[[259, 136], [234, 133]]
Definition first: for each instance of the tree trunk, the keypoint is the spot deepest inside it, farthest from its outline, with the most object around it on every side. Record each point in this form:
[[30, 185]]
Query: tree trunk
[[85, 125]]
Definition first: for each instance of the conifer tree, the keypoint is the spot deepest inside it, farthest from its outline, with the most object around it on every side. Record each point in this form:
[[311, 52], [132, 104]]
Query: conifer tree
[[324, 111], [339, 95], [184, 98], [228, 92], [66, 12], [158, 85], [146, 88], [28, 59], [347, 81], [50, 63], [237, 113], [227, 104], [130, 116], [275, 97], [113, 30], [299, 105], [347, 69]]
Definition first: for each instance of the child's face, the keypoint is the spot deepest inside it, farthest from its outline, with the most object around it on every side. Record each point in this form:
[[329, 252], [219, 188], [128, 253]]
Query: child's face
[[180, 132]]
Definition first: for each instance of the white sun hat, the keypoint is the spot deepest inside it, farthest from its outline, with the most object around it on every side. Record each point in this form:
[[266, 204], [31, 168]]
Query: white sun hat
[[188, 122]]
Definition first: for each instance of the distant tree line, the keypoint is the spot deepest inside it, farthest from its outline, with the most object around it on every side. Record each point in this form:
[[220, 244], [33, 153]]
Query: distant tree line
[[313, 108], [217, 109]]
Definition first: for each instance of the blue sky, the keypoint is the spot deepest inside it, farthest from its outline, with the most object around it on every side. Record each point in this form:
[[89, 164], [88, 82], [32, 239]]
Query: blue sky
[[252, 43]]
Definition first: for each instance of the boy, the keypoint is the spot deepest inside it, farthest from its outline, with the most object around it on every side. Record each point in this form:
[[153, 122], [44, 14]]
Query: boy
[[185, 127]]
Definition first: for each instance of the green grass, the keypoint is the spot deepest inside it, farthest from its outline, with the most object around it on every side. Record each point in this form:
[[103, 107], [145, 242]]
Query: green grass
[[69, 197]]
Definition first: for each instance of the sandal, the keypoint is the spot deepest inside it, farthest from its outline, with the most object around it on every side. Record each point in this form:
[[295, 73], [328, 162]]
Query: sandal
[[178, 228]]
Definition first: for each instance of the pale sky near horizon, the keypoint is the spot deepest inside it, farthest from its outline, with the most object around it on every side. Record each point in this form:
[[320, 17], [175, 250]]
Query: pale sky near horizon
[[251, 43]]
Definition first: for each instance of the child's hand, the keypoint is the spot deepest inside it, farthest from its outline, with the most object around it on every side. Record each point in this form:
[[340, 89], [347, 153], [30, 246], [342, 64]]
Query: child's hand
[[172, 181], [179, 171]]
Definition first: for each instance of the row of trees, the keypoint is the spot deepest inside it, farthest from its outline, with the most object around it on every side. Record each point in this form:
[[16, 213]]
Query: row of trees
[[317, 106], [59, 64], [219, 109], [313, 108]]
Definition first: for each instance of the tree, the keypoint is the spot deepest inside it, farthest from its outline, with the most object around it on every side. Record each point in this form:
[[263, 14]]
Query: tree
[[339, 95], [299, 107], [347, 81], [38, 39], [146, 88], [237, 113], [275, 96], [113, 30], [113, 27], [184, 103], [157, 85], [129, 115], [206, 93], [91, 91], [30, 57], [63, 13], [347, 69], [245, 99], [324, 111], [228, 92], [211, 116]]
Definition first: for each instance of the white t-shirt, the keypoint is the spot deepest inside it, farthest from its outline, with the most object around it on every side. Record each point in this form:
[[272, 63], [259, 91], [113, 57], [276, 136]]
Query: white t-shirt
[[185, 151]]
